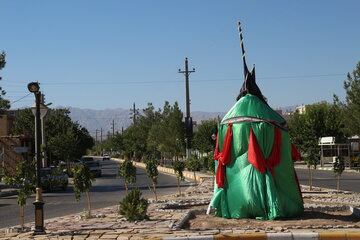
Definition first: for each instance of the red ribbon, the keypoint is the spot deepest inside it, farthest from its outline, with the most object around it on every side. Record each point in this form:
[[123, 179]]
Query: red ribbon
[[256, 158], [223, 158], [295, 155]]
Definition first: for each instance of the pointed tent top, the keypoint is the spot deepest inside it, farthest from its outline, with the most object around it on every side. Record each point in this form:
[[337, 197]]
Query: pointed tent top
[[249, 86]]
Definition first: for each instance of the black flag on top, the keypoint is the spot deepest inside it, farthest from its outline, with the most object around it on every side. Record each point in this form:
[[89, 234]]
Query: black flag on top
[[249, 86]]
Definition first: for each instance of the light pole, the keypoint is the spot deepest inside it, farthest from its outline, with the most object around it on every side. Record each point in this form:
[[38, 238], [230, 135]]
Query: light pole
[[43, 111], [39, 204]]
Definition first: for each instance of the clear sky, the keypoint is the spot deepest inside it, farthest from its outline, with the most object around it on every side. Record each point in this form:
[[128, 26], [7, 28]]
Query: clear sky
[[109, 54]]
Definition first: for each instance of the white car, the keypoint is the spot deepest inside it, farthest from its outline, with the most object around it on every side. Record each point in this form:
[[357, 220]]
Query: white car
[[106, 157]]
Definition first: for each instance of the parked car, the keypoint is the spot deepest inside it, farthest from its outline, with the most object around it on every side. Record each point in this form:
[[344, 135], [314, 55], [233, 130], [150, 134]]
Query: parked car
[[53, 178], [106, 157]]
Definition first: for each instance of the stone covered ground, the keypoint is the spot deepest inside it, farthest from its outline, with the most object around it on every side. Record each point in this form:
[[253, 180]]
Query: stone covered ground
[[325, 210], [177, 216]]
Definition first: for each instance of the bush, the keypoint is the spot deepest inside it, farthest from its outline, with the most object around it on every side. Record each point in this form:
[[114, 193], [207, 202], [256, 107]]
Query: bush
[[133, 207], [193, 164]]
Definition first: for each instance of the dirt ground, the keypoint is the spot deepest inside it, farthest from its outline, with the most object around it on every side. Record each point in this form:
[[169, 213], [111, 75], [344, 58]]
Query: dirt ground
[[312, 217]]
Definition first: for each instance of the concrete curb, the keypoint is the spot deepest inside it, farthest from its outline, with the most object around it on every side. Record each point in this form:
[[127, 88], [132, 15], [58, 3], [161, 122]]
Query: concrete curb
[[187, 174], [274, 236]]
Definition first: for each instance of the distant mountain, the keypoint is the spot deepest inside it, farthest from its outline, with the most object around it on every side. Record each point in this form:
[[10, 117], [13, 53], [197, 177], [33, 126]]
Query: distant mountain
[[94, 120], [97, 120]]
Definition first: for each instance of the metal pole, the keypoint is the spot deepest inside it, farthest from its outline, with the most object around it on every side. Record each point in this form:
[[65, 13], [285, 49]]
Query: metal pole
[[188, 120], [187, 88], [39, 204], [44, 160]]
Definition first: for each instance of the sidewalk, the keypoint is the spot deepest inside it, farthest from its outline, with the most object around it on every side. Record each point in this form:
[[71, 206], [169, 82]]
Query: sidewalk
[[169, 216]]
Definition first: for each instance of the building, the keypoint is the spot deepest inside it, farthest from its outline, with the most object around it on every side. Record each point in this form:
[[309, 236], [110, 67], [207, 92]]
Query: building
[[300, 109], [12, 148], [7, 122]]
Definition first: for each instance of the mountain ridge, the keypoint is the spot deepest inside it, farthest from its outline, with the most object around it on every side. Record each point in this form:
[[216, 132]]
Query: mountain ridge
[[96, 120]]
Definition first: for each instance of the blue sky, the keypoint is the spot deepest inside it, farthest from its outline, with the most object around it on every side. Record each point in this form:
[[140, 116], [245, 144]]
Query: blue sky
[[109, 54]]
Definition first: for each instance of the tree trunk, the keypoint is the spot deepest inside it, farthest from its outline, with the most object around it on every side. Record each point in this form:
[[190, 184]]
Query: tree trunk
[[126, 189], [338, 182], [22, 217], [154, 189], [310, 178], [178, 181], [89, 204], [195, 177]]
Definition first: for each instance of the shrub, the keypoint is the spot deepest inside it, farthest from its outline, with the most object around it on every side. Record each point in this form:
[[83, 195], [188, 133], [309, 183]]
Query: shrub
[[133, 207]]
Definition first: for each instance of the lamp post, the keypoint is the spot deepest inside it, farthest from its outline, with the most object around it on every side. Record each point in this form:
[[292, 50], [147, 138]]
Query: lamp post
[[39, 204], [43, 111]]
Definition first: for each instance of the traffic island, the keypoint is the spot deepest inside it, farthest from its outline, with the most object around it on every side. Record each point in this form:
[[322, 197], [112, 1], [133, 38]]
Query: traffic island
[[328, 215]]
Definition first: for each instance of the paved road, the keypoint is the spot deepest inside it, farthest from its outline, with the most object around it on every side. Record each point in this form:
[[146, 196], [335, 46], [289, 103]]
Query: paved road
[[106, 191], [326, 179]]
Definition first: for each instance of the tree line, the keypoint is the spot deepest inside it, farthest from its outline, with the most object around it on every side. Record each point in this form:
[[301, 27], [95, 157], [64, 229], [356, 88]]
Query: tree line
[[159, 134]]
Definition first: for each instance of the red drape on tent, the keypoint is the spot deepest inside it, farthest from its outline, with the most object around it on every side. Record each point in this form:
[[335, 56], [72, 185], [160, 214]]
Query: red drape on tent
[[223, 158], [256, 158]]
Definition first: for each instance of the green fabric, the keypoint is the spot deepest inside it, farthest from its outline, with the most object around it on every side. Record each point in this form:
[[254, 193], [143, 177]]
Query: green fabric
[[248, 193]]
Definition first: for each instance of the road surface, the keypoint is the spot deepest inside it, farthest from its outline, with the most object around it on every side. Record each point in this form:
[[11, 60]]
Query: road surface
[[106, 191]]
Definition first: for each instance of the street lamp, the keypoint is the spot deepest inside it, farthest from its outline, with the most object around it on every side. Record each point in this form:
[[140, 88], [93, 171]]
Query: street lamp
[[39, 204], [43, 111]]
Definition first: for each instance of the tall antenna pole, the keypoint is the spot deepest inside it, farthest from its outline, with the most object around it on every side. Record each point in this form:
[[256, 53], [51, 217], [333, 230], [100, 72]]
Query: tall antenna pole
[[246, 71]]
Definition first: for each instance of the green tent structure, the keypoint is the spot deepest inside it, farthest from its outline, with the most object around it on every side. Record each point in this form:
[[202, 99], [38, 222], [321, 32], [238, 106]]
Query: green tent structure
[[254, 157]]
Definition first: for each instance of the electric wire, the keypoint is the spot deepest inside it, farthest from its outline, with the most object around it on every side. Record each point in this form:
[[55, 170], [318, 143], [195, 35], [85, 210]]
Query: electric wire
[[20, 98]]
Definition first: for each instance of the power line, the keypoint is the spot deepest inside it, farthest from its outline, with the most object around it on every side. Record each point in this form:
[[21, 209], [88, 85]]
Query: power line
[[198, 80], [20, 98]]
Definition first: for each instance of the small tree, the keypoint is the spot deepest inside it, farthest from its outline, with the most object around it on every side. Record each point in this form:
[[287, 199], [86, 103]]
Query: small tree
[[339, 167], [211, 167], [152, 173], [312, 159], [24, 178], [193, 165], [127, 171], [83, 182], [179, 167], [133, 207]]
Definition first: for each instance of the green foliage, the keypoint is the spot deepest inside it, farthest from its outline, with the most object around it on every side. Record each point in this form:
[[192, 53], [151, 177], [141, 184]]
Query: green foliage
[[319, 120], [151, 169], [82, 179], [193, 164], [339, 166], [203, 136], [127, 171], [152, 173], [155, 133], [352, 105], [179, 167], [24, 178], [66, 140], [133, 207], [4, 103], [211, 164], [25, 123]]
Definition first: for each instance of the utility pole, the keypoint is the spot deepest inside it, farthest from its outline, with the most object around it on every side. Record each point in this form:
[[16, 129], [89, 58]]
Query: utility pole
[[188, 119], [96, 135], [113, 128], [134, 113]]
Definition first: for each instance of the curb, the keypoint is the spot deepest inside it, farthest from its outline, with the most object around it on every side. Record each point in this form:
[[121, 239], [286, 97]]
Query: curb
[[274, 236], [187, 174]]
